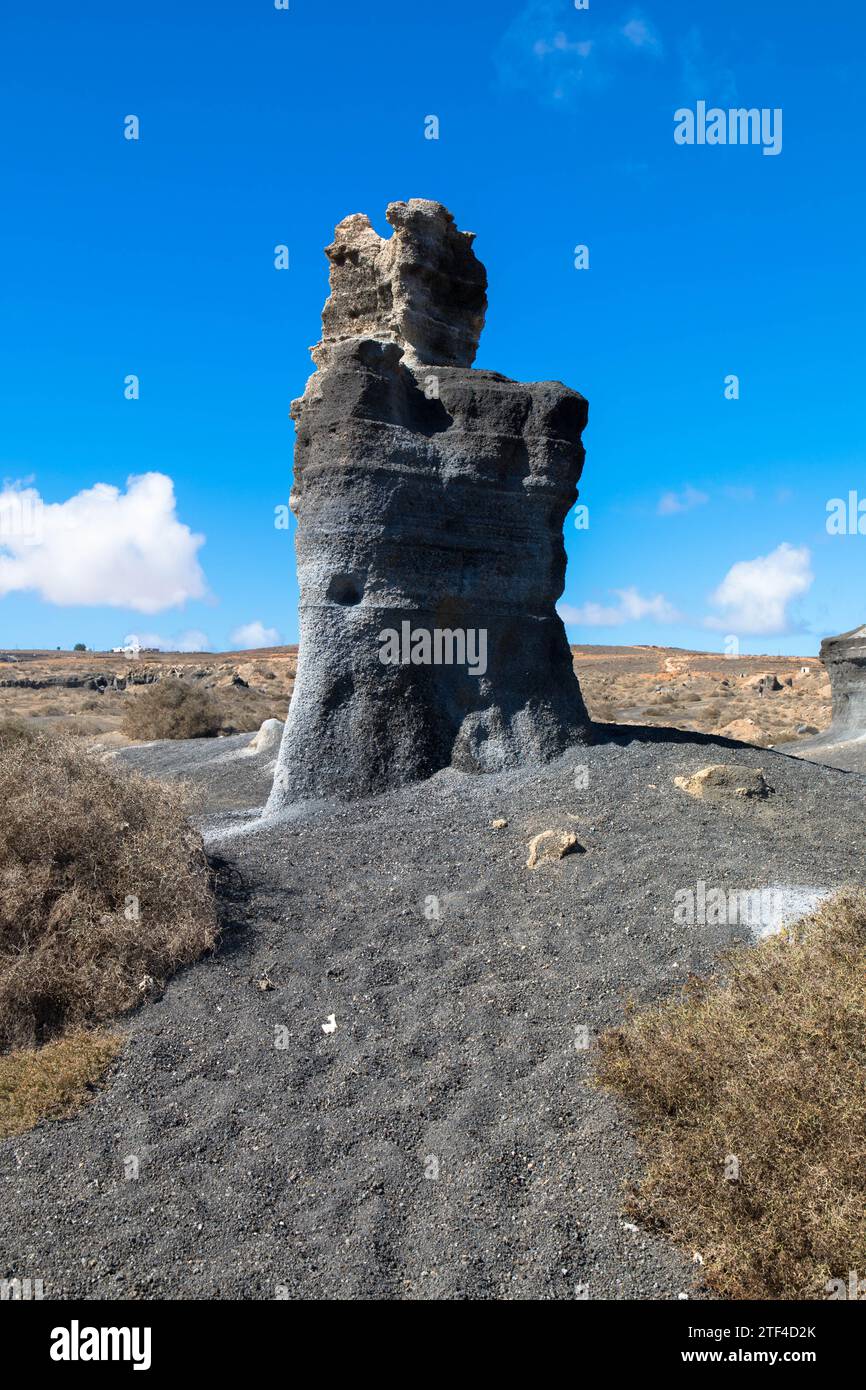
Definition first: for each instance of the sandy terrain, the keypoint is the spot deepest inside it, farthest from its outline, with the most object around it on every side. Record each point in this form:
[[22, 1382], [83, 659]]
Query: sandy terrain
[[763, 700], [633, 685], [86, 693]]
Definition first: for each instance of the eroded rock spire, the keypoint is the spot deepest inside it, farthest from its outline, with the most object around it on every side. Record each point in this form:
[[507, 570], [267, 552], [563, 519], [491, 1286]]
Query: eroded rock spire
[[423, 288], [430, 498]]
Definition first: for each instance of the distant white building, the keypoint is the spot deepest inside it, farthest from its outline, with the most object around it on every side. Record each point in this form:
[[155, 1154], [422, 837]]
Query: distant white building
[[132, 649]]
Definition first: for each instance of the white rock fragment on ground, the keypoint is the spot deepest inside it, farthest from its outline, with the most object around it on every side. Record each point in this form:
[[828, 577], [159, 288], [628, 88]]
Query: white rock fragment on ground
[[267, 740], [549, 846]]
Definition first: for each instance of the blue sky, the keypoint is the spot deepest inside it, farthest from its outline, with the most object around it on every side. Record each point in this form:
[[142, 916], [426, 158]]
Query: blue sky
[[259, 126]]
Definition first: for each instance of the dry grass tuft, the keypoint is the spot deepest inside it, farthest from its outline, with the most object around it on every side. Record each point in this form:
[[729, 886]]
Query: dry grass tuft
[[767, 1065], [54, 1081], [105, 890], [16, 731], [172, 709]]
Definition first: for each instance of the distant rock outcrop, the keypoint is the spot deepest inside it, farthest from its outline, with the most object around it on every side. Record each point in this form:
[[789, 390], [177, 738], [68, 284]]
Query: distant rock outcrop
[[767, 685], [430, 499]]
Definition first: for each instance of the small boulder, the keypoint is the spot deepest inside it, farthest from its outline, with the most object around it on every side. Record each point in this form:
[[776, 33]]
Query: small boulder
[[267, 740], [549, 846], [744, 731], [498, 824], [725, 782]]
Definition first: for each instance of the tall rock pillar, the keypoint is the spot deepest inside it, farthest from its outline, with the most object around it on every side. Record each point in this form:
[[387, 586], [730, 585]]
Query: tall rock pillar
[[430, 499]]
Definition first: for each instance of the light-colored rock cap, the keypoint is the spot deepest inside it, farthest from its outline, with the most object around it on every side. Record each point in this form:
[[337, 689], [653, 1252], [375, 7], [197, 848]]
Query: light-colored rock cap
[[422, 288]]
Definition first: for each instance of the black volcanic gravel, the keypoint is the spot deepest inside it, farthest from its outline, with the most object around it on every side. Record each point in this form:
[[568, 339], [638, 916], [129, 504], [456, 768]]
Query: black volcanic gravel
[[444, 1140]]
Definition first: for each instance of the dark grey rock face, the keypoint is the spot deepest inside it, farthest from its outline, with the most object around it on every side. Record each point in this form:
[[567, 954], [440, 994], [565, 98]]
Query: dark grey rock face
[[430, 499], [843, 745], [845, 659]]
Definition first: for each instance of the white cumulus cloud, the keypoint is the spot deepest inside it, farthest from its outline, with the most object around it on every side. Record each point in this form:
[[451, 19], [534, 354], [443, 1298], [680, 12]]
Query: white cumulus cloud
[[254, 634], [754, 595], [102, 546], [632, 607]]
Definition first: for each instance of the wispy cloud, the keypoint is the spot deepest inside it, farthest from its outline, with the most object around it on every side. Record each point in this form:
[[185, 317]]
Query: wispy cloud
[[671, 503], [632, 607], [702, 76], [557, 52], [560, 43], [755, 595], [640, 34], [190, 641], [254, 634]]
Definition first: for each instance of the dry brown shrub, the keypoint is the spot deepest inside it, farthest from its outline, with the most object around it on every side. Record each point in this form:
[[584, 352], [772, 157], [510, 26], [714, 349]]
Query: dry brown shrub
[[104, 888], [172, 709], [16, 730], [54, 1081], [765, 1063], [244, 711]]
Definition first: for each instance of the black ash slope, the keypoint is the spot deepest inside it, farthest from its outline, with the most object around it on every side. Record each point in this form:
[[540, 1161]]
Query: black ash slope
[[310, 1167]]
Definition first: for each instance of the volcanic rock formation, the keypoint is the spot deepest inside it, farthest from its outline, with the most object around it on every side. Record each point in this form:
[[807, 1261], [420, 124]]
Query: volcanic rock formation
[[430, 499], [845, 660], [844, 743]]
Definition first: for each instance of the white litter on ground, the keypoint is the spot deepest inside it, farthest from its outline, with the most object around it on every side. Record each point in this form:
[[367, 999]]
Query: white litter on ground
[[784, 904]]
